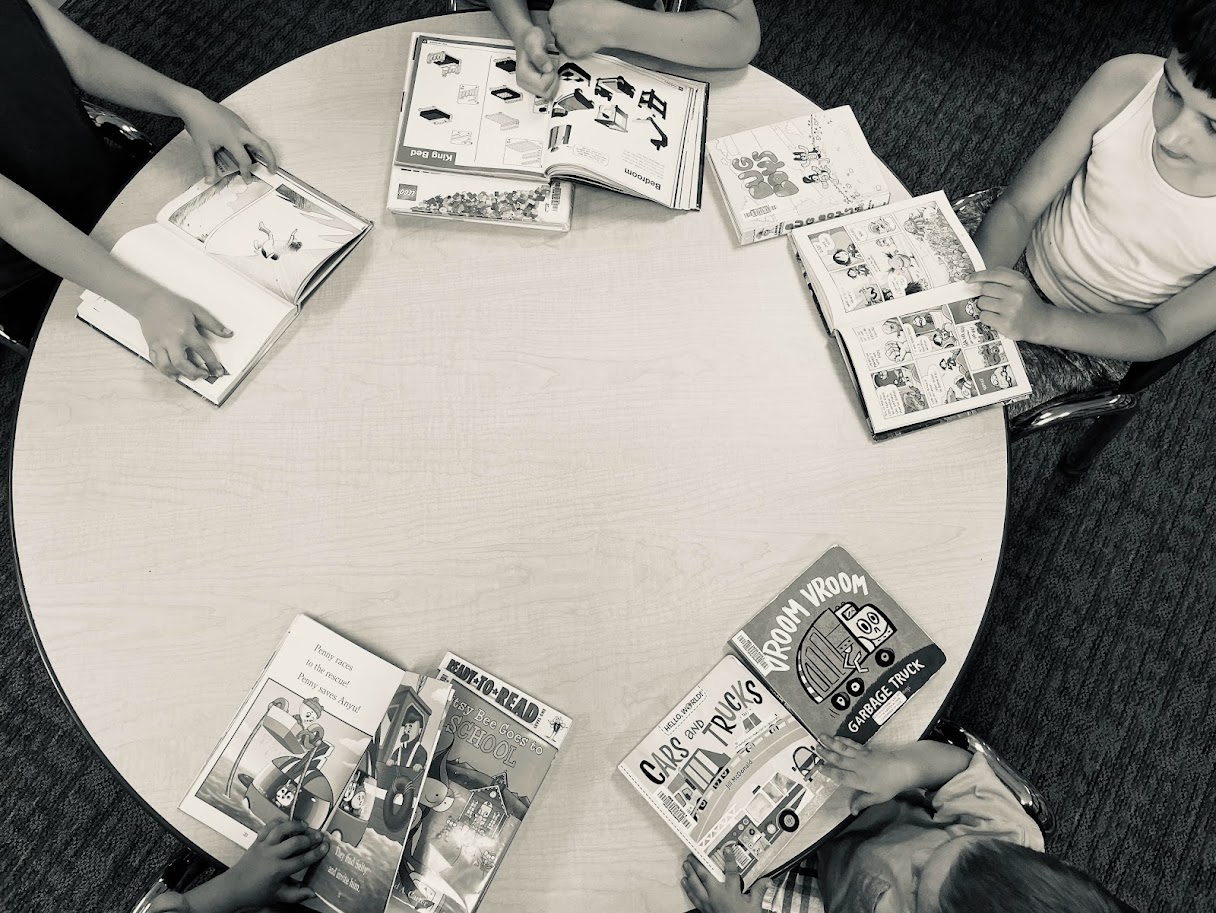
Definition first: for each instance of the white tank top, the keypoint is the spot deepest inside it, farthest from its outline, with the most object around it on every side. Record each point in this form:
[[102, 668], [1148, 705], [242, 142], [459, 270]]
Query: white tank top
[[1119, 239]]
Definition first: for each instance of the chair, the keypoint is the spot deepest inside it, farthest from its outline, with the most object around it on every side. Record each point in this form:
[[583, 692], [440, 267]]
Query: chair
[[468, 6], [1110, 408], [22, 312], [182, 871]]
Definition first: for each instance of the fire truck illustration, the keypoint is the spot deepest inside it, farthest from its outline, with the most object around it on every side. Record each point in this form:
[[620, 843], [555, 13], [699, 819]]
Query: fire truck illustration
[[834, 650]]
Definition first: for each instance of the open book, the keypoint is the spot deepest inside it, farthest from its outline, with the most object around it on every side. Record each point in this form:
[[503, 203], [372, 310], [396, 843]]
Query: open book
[[339, 739], [610, 123], [891, 283], [250, 251]]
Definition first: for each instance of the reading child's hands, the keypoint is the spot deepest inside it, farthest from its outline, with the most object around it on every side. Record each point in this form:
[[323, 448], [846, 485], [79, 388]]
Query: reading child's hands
[[712, 896], [214, 128], [581, 27], [1009, 304], [260, 877], [534, 70], [173, 328], [877, 775]]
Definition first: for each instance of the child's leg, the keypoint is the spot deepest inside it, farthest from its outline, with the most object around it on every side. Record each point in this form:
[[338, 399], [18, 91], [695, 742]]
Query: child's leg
[[797, 890]]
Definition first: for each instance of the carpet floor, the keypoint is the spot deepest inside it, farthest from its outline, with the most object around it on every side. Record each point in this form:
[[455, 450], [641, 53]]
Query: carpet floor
[[1096, 667]]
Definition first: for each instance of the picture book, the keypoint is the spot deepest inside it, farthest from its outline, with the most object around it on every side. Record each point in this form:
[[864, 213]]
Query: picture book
[[838, 650], [534, 203], [730, 765], [892, 284], [251, 251], [336, 737], [610, 123], [797, 172], [496, 747]]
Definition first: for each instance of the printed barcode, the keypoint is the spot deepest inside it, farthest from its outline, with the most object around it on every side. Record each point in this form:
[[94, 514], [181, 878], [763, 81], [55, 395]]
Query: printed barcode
[[557, 194], [675, 811], [752, 652]]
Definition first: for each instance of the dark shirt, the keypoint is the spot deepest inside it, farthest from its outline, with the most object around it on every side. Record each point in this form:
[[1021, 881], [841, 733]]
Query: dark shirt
[[47, 144]]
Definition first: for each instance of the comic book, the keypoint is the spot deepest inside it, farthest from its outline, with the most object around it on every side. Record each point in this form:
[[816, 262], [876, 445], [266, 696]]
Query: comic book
[[797, 172], [497, 746], [251, 251], [838, 650], [336, 737], [892, 284], [609, 123], [730, 765]]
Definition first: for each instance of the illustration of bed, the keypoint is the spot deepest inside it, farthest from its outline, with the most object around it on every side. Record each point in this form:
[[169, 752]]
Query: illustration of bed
[[435, 115]]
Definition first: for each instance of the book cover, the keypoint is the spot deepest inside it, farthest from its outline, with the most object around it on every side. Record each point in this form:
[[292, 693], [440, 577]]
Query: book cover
[[370, 821], [496, 747], [797, 172], [838, 650], [493, 200], [730, 765]]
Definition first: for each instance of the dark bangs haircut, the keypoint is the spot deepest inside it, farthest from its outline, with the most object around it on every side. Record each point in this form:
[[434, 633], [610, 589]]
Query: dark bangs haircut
[[1194, 34], [996, 876]]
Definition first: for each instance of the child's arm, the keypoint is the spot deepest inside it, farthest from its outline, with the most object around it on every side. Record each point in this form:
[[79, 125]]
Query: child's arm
[[171, 325], [881, 774], [534, 70], [260, 877], [721, 34], [1002, 236], [103, 71]]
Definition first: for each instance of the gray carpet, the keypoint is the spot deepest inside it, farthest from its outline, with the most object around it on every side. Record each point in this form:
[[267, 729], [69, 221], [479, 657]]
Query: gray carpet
[[1096, 669]]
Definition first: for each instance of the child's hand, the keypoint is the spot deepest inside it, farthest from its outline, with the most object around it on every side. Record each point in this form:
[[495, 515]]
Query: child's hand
[[581, 27], [213, 128], [172, 327], [877, 775], [259, 878], [534, 70], [1009, 304], [711, 896]]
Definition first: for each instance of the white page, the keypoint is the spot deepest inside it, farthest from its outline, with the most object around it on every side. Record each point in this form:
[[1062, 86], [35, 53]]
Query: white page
[[255, 316]]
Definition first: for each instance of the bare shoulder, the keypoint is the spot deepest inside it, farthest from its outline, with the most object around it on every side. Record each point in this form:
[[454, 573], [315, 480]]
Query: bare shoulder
[[1116, 83]]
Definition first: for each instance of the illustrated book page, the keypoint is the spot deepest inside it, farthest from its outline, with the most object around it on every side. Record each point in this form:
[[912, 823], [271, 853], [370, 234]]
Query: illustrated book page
[[837, 650], [296, 740], [797, 172], [496, 747], [369, 824], [610, 122], [273, 229], [256, 317], [731, 765], [527, 203]]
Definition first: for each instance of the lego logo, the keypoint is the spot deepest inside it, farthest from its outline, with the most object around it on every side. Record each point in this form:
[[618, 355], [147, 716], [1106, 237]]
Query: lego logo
[[407, 191]]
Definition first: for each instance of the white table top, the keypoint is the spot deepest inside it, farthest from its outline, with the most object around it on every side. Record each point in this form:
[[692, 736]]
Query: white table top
[[580, 460]]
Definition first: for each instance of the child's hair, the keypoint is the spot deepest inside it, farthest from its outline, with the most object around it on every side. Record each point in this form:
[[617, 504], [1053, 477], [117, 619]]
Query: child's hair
[[1001, 877], [1194, 34]]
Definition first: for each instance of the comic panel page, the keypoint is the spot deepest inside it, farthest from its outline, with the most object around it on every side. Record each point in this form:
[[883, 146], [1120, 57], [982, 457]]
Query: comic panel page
[[931, 362], [622, 125], [298, 737], [272, 228], [463, 110], [888, 253], [730, 765]]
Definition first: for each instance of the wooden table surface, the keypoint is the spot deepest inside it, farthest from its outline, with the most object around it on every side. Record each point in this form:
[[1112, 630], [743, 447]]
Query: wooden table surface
[[580, 460]]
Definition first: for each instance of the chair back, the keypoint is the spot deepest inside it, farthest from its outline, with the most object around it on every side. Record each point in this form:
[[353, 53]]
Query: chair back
[[469, 6]]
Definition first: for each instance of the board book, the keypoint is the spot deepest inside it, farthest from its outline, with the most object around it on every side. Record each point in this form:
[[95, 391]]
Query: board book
[[251, 251], [730, 765], [497, 746], [610, 123], [837, 650], [336, 737], [892, 285], [797, 172]]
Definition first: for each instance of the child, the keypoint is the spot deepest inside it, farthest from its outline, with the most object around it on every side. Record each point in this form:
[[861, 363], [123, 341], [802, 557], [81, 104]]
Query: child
[[1116, 212], [965, 846], [56, 176], [721, 34], [259, 878]]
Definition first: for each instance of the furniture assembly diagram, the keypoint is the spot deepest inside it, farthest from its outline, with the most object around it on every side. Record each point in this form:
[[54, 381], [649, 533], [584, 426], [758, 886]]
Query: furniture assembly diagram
[[504, 121], [506, 94], [446, 62], [435, 115], [612, 117]]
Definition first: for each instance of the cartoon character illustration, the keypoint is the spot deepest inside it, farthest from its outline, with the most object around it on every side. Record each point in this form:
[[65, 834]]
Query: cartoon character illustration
[[855, 272], [284, 794], [846, 256], [834, 650]]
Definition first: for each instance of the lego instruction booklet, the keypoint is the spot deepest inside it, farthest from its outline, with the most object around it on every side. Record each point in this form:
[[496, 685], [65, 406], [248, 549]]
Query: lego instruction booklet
[[609, 122], [892, 284]]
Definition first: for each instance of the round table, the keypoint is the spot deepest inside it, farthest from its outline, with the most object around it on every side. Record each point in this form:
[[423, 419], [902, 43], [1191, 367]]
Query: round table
[[582, 461]]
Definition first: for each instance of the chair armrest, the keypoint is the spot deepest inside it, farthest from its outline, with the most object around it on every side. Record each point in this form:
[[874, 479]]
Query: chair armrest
[[118, 128], [1027, 795], [1070, 407]]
